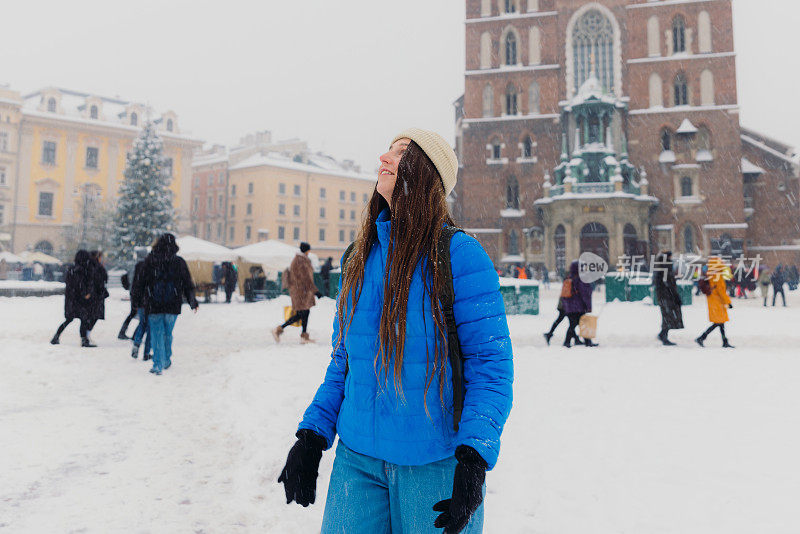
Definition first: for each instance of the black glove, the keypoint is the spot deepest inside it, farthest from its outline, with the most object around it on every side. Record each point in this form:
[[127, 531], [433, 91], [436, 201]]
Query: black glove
[[467, 491], [299, 475], [730, 306]]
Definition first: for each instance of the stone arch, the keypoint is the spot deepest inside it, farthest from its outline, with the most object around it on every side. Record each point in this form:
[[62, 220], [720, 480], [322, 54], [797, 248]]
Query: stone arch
[[704, 33], [594, 238]]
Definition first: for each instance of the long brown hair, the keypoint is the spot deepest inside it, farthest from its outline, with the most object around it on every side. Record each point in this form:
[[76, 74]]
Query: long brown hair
[[418, 214]]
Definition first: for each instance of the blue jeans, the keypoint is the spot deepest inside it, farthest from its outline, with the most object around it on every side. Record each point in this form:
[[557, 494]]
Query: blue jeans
[[370, 496], [161, 325], [141, 330]]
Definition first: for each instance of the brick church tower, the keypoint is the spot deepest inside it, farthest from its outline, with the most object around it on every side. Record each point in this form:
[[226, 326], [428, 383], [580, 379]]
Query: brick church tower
[[613, 126]]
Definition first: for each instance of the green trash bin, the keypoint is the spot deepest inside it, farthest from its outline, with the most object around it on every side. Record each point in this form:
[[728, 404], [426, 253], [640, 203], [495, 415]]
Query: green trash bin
[[640, 289], [509, 294], [528, 299], [617, 287]]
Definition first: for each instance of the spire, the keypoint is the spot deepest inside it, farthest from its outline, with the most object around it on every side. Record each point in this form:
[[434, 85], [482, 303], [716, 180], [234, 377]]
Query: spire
[[564, 149]]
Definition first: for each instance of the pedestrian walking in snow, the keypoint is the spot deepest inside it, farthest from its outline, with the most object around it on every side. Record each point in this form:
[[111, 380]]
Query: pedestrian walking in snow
[[764, 281], [669, 299], [561, 316], [302, 291], [137, 300], [419, 424], [99, 291], [718, 300], [164, 283], [230, 277], [127, 284], [79, 286], [777, 285], [577, 301], [325, 274]]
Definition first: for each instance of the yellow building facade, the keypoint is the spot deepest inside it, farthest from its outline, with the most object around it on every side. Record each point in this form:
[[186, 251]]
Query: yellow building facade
[[314, 200], [71, 157]]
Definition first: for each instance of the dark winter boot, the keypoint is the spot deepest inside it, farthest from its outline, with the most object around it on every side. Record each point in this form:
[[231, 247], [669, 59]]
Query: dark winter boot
[[135, 351], [662, 336], [700, 340], [547, 337], [146, 357], [55, 340], [122, 335], [589, 343], [726, 345], [86, 343]]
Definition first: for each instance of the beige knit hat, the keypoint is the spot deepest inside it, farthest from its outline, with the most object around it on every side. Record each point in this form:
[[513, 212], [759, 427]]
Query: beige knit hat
[[440, 152]]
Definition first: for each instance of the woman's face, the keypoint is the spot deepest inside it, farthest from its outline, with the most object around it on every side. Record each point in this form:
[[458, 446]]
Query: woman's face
[[387, 174]]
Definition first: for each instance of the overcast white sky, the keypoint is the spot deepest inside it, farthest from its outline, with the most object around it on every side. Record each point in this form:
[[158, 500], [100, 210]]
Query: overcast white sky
[[346, 75]]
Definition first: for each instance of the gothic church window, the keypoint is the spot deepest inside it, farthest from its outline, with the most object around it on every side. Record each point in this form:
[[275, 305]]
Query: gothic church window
[[678, 35], [511, 100], [527, 147], [593, 43], [511, 49], [512, 193], [513, 243], [510, 6], [681, 91], [488, 100], [688, 240], [51, 105], [704, 32], [686, 187], [496, 149], [666, 140]]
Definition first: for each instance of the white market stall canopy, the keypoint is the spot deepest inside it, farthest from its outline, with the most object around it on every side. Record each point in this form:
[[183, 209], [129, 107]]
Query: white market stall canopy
[[36, 256], [272, 255], [10, 258], [195, 249]]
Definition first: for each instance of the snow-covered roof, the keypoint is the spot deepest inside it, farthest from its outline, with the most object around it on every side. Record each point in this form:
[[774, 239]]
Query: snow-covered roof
[[667, 156], [202, 160], [318, 164], [750, 168], [196, 249], [686, 127]]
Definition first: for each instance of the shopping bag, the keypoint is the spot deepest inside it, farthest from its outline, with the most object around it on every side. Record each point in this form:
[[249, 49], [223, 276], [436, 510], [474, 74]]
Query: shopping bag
[[287, 313], [588, 326]]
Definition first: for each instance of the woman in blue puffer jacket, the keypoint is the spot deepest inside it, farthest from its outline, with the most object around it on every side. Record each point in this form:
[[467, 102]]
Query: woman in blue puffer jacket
[[388, 391]]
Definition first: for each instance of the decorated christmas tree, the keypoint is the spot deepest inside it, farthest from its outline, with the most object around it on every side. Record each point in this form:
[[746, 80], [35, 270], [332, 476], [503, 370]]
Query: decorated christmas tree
[[144, 207]]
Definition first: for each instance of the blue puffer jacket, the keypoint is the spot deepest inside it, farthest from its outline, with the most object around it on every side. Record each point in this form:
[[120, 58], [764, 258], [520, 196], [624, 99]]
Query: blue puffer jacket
[[370, 417]]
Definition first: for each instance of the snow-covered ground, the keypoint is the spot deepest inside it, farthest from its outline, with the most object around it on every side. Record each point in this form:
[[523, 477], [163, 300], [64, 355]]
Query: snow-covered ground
[[628, 437]]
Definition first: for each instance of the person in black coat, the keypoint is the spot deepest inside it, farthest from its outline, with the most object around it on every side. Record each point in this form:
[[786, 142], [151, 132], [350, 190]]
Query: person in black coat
[[99, 291], [669, 300], [164, 283], [778, 280], [325, 274], [230, 277], [80, 282]]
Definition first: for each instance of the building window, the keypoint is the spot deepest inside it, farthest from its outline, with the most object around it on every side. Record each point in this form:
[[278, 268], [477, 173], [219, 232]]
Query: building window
[[91, 157], [352, 196], [250, 188], [209, 203], [341, 236], [656, 91], [341, 196], [45, 247], [666, 140], [220, 203], [3, 176], [366, 198], [703, 138], [196, 204], [281, 232], [322, 234], [513, 243], [221, 178], [51, 105], [296, 210], [527, 147], [134, 119], [281, 209], [49, 153], [170, 125], [352, 215], [3, 142], [681, 91], [510, 6], [352, 235], [2, 214], [678, 35], [45, 204], [488, 100], [281, 189], [512, 193], [686, 187], [511, 100], [231, 233], [249, 208], [295, 233], [688, 240], [341, 214], [194, 230], [511, 49], [593, 37], [247, 233], [496, 150], [210, 179], [93, 112], [297, 190], [208, 231], [322, 213], [233, 210], [233, 190], [321, 192], [166, 168]]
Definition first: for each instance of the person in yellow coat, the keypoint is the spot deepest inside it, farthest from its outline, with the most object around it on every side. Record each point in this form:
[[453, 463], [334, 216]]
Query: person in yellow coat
[[717, 299]]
